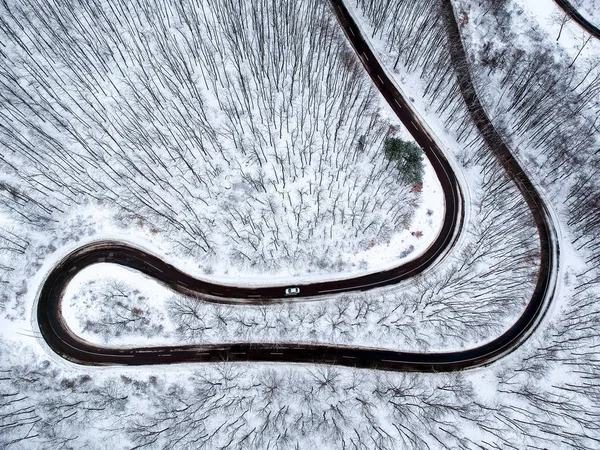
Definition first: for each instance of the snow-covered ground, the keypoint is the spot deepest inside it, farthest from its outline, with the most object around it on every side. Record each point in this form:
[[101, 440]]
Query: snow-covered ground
[[542, 396], [547, 17], [590, 9], [113, 305], [465, 302], [257, 156]]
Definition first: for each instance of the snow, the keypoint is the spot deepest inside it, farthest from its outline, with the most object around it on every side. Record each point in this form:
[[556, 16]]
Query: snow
[[401, 328], [287, 204], [86, 306], [499, 406], [590, 9], [547, 14]]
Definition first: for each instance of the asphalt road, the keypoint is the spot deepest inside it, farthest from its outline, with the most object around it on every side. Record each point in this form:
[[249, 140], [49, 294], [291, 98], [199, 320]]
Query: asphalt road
[[572, 12], [65, 343]]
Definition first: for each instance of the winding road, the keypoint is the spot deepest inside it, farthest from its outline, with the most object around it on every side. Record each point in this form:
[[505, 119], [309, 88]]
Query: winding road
[[62, 341]]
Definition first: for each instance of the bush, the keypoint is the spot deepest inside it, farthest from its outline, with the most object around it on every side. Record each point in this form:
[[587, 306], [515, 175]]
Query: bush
[[408, 157]]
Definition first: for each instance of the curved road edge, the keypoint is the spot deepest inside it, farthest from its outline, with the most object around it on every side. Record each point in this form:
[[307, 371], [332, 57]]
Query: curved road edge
[[548, 272], [576, 16], [63, 342]]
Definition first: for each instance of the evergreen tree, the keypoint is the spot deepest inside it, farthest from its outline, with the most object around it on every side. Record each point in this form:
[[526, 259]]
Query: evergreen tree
[[408, 157]]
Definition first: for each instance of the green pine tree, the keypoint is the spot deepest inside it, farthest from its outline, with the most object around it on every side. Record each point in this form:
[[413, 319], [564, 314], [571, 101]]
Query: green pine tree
[[408, 158]]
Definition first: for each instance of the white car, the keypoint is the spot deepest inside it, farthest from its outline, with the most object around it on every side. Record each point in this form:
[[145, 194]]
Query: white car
[[292, 291]]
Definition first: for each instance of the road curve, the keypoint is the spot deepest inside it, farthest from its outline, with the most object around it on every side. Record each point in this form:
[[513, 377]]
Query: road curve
[[65, 343], [575, 15]]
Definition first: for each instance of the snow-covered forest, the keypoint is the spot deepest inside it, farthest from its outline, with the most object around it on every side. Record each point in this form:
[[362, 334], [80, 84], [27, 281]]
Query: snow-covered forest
[[248, 137], [258, 148]]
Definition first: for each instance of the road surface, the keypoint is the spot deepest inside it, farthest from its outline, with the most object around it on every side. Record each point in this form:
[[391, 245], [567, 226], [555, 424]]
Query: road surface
[[65, 343], [572, 12]]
